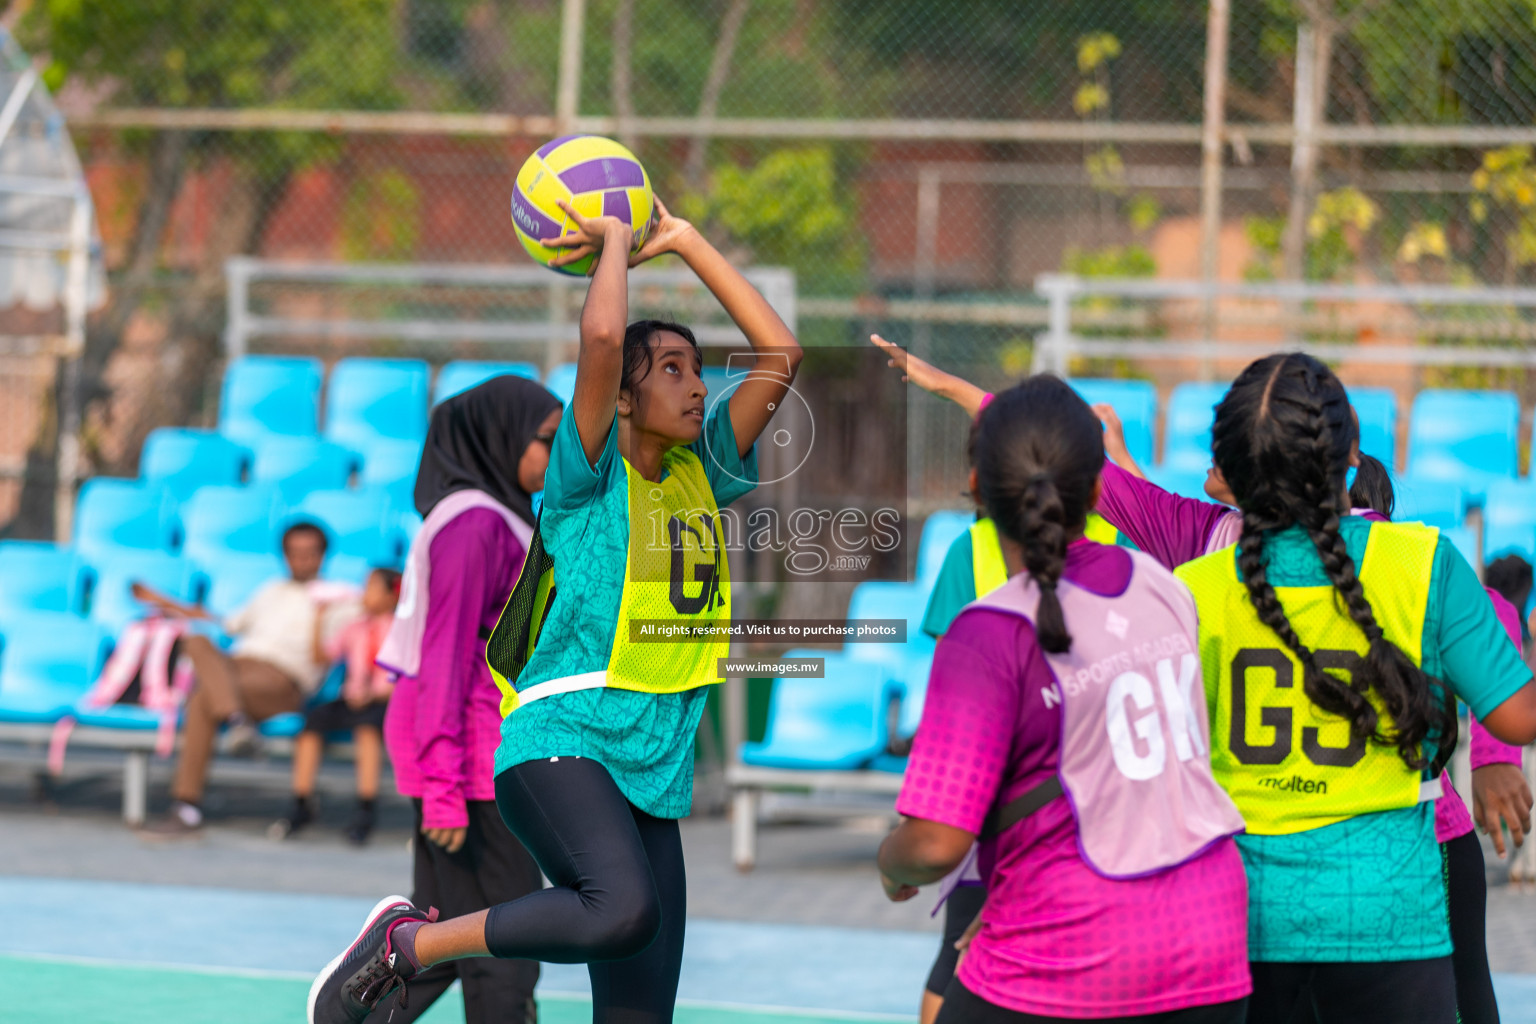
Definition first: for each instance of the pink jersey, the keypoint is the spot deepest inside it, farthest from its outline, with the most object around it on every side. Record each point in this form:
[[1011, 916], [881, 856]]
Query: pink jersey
[[1057, 938], [359, 645]]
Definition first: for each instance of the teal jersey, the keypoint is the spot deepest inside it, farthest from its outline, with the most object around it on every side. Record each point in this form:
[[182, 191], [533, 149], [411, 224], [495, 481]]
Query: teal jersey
[[954, 588], [645, 740], [1370, 888]]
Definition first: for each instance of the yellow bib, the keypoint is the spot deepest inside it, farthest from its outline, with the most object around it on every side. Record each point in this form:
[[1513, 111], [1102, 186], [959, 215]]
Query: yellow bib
[[1288, 765], [988, 569], [678, 573], [676, 580]]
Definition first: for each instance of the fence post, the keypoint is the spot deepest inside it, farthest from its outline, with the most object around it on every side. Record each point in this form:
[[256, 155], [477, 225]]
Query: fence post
[[1211, 137], [1051, 350], [573, 16], [76, 301], [237, 282]]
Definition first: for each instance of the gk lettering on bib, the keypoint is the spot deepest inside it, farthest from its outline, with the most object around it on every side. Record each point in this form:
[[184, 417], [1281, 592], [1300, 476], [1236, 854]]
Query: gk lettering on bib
[[1291, 766], [1135, 742]]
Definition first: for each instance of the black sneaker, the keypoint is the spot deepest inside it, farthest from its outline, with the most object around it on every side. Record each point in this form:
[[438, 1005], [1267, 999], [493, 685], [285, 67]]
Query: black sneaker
[[361, 826], [361, 977], [301, 815]]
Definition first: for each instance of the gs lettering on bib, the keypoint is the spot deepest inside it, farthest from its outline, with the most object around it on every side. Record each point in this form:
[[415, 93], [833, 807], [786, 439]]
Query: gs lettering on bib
[[1134, 738], [1291, 766]]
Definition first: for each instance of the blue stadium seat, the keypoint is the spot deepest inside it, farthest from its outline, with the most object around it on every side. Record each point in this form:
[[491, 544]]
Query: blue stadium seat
[[266, 395], [940, 530], [363, 530], [298, 465], [882, 600], [182, 460], [1377, 409], [410, 526], [835, 723], [461, 375], [1187, 430], [1432, 502], [232, 582], [1186, 483], [391, 463], [112, 605], [1466, 437], [1464, 539], [1509, 520], [561, 382], [112, 513], [38, 576], [374, 400], [914, 691], [49, 661], [224, 521], [1135, 402]]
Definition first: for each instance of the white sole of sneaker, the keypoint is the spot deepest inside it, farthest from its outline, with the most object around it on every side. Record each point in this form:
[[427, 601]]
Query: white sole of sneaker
[[330, 968]]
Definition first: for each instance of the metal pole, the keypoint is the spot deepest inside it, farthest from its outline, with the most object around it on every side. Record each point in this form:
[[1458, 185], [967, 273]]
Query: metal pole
[[573, 16], [924, 272], [76, 300], [237, 280], [1218, 22], [1304, 121]]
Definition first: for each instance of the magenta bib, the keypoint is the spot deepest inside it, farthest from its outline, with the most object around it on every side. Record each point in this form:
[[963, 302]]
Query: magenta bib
[[1135, 740]]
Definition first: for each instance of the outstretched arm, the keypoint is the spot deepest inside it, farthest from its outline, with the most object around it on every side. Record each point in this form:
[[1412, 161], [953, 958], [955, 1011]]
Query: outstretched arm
[[932, 379], [166, 604], [600, 360], [778, 353], [1114, 440]]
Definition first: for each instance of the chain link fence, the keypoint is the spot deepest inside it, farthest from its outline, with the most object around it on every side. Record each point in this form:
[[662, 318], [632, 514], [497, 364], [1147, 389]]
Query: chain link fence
[[916, 163]]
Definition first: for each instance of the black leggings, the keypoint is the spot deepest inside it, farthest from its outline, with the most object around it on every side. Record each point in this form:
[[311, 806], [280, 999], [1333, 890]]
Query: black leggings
[[962, 1006], [1399, 991], [619, 895], [959, 911], [1466, 890]]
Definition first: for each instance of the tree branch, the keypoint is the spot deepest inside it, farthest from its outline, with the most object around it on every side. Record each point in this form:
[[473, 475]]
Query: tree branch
[[714, 84]]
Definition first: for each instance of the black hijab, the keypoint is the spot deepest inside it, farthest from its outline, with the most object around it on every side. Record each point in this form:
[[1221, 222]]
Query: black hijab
[[476, 439]]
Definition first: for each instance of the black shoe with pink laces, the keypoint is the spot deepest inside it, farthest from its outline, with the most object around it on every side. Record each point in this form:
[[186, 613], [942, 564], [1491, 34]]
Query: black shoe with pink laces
[[375, 965]]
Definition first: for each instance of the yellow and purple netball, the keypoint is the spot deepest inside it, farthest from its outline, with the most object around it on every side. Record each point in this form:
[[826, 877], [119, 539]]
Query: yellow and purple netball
[[597, 176]]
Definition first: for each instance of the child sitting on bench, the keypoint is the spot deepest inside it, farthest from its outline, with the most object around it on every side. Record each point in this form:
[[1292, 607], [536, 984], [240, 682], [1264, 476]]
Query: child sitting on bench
[[360, 710]]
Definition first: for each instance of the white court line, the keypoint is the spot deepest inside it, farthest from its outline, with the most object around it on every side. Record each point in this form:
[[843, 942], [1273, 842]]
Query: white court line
[[568, 997]]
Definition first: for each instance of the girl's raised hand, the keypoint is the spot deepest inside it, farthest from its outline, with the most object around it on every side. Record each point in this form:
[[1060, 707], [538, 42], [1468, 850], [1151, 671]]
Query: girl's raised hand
[[591, 234], [932, 379], [666, 232]]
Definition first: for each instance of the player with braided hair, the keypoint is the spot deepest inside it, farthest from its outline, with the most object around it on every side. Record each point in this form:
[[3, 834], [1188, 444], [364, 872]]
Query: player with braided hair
[[1063, 728], [1380, 623]]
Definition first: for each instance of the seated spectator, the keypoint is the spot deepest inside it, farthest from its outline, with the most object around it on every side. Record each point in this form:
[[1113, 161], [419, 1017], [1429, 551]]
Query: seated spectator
[[359, 710], [271, 669]]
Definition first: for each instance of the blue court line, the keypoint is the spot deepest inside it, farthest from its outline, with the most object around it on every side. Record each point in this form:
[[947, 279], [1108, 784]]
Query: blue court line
[[846, 971]]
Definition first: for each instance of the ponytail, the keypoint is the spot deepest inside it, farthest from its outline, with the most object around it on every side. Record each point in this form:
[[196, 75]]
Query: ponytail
[[1038, 449], [1043, 535]]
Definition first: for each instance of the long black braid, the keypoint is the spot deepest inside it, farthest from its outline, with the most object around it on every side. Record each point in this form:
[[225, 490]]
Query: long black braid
[[1038, 449], [1282, 439]]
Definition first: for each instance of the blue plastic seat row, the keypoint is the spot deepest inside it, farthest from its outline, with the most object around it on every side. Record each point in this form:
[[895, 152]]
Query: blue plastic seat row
[[366, 400], [1466, 438], [182, 460], [364, 525]]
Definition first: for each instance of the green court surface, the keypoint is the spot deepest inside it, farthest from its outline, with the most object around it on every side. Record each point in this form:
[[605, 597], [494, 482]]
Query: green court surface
[[50, 990]]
